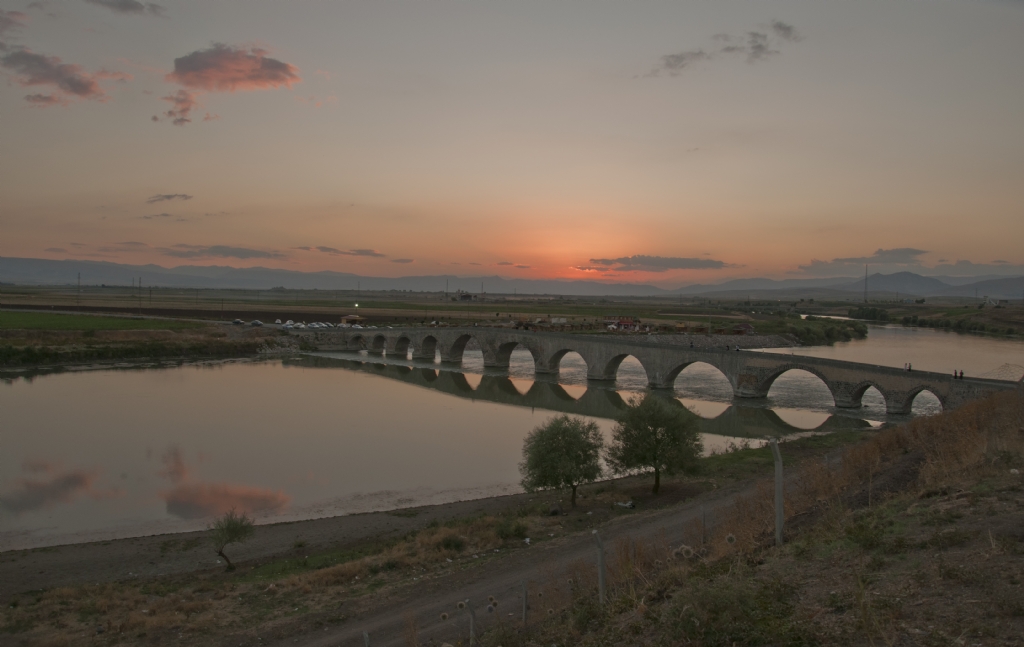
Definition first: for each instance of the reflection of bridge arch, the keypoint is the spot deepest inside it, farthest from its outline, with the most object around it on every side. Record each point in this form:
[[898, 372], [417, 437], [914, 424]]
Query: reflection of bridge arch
[[595, 402]]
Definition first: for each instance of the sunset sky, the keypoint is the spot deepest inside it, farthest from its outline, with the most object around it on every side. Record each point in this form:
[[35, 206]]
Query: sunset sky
[[656, 142]]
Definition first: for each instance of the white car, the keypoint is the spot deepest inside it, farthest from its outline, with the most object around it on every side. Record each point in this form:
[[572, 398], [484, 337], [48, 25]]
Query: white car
[[357, 326], [289, 323], [277, 321], [299, 326]]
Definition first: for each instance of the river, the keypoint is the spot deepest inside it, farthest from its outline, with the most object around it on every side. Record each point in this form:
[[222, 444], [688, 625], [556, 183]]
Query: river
[[99, 454]]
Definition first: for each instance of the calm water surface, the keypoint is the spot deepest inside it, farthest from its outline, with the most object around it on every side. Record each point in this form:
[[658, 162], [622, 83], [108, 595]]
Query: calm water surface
[[116, 453]]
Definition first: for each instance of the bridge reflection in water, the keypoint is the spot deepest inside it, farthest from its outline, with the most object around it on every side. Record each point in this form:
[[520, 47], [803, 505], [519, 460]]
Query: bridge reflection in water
[[736, 420]]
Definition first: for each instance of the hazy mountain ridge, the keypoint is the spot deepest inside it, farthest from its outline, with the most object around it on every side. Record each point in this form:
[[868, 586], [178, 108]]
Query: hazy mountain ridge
[[36, 271]]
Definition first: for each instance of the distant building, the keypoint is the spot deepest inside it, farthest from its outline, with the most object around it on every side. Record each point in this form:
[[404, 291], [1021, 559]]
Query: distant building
[[621, 322]]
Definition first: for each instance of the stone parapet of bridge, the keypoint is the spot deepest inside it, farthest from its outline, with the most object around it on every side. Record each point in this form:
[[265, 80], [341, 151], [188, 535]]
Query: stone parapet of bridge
[[751, 374]]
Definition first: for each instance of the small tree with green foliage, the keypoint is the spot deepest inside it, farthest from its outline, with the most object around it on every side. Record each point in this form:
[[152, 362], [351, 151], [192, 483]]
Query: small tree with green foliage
[[232, 528], [652, 435], [564, 452]]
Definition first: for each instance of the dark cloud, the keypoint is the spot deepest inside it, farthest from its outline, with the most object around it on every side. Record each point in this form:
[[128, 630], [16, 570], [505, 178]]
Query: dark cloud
[[158, 216], [401, 260], [164, 197], [899, 258], [901, 255], [223, 68], [641, 263], [755, 45], [129, 6], [182, 103], [216, 251], [504, 263], [67, 79], [522, 267], [589, 268], [57, 250], [11, 21], [758, 47], [344, 252], [676, 63], [786, 32]]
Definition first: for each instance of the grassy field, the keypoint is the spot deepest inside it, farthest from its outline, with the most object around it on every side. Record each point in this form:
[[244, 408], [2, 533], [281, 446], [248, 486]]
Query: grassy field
[[71, 322]]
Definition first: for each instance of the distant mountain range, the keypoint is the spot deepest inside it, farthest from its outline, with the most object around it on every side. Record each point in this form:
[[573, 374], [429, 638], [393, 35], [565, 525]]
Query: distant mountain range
[[36, 271]]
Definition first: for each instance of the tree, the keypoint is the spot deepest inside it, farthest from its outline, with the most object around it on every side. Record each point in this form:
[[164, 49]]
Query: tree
[[652, 436], [232, 528], [564, 452]]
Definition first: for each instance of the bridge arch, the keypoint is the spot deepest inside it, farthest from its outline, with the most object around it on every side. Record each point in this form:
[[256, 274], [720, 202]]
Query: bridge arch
[[454, 352], [427, 349], [502, 354], [401, 347], [926, 406], [356, 342], [854, 397], [713, 382], [609, 369], [378, 344], [553, 362], [825, 390]]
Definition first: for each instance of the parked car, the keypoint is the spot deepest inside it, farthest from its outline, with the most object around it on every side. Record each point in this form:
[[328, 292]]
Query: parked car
[[289, 323], [238, 322], [277, 321], [256, 323]]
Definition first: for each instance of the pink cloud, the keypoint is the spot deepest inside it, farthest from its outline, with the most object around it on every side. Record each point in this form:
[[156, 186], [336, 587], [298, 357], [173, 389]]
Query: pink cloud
[[67, 79], [223, 68]]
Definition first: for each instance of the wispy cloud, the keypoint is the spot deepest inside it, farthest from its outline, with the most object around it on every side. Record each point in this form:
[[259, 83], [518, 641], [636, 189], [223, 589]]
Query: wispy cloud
[[129, 6], [754, 45], [333, 251], [642, 263], [217, 251], [163, 197], [504, 263], [56, 250], [401, 260]]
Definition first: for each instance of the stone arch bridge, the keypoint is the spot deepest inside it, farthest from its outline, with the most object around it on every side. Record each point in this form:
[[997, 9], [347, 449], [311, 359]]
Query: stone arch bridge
[[751, 374]]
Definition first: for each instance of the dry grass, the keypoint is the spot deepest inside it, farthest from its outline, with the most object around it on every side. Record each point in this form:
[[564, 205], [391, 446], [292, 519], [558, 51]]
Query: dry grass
[[932, 556]]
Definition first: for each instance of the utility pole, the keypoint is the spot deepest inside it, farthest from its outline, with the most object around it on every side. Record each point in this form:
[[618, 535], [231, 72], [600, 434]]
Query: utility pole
[[865, 282]]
